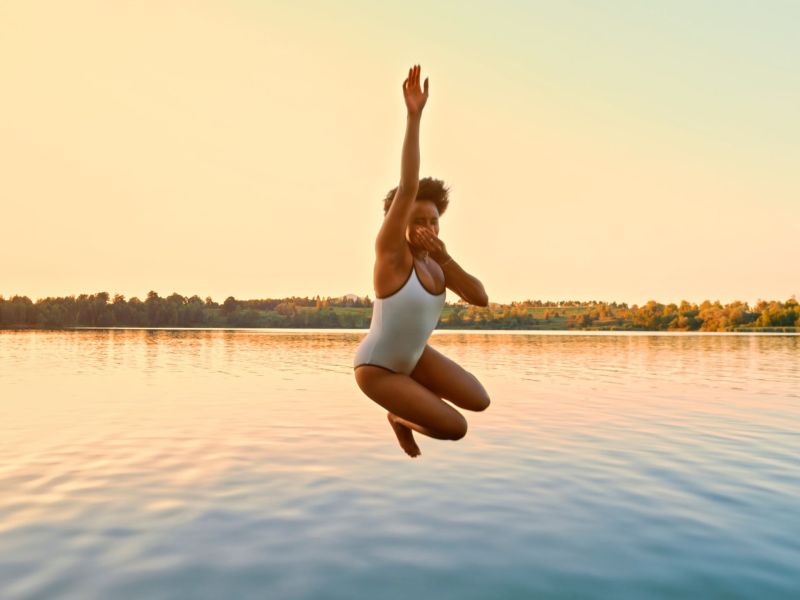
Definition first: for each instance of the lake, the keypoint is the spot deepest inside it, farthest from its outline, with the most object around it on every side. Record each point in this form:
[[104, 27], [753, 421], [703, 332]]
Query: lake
[[227, 464]]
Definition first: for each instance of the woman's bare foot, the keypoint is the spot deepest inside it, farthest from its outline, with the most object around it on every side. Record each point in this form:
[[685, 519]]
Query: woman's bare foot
[[405, 436]]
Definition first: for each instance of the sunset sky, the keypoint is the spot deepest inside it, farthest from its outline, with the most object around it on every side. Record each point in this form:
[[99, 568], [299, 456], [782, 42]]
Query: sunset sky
[[595, 150]]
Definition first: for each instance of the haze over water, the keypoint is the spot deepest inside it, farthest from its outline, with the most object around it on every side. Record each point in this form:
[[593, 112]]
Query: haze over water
[[247, 464]]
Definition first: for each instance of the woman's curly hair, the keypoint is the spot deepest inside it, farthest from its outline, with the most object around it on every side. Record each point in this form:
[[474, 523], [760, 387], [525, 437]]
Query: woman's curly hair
[[433, 190]]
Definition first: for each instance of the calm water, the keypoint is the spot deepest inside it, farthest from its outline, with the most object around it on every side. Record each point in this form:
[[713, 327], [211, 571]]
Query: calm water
[[247, 464]]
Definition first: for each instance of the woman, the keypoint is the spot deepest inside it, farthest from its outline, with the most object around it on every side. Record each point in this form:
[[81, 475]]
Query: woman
[[394, 365]]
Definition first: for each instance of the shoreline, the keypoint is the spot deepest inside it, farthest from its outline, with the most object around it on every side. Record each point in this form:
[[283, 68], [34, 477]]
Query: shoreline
[[544, 331]]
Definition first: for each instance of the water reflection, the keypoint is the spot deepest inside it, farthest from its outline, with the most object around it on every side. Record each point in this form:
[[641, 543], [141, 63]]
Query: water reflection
[[247, 463]]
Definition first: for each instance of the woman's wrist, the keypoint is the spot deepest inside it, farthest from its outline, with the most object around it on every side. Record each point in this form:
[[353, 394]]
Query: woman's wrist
[[445, 261]]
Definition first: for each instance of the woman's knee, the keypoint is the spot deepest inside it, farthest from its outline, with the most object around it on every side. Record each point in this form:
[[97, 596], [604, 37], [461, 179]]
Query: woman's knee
[[483, 402], [457, 429]]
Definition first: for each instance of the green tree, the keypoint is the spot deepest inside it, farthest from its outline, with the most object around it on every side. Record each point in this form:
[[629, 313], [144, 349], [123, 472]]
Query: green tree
[[229, 305]]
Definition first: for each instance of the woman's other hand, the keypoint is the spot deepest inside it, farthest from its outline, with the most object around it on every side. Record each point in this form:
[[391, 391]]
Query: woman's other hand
[[414, 96], [426, 239]]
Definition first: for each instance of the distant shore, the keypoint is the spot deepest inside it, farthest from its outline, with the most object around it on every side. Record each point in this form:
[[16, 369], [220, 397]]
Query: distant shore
[[354, 312], [791, 330]]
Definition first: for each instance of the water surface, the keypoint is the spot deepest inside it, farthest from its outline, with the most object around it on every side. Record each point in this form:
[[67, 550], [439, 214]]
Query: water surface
[[248, 464]]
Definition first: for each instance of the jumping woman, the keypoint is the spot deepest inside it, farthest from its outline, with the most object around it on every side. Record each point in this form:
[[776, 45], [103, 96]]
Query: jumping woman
[[394, 365]]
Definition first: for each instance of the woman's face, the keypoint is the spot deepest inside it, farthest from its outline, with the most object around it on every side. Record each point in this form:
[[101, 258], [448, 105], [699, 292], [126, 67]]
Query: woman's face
[[424, 215]]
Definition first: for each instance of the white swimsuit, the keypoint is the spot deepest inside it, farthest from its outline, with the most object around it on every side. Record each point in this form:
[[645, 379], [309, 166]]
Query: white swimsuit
[[401, 324]]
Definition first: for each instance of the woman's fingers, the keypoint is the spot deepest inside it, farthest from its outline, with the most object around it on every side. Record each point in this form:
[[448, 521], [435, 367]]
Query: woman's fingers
[[436, 243], [429, 240], [411, 82], [422, 239], [413, 78]]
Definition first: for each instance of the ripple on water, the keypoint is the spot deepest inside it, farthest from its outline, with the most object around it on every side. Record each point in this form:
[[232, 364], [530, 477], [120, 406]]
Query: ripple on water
[[210, 464]]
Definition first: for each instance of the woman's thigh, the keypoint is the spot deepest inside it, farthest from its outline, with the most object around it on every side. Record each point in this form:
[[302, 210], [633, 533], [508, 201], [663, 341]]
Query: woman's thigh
[[450, 381], [404, 397]]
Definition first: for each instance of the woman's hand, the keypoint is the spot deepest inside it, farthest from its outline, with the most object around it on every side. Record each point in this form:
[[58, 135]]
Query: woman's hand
[[415, 97], [435, 247]]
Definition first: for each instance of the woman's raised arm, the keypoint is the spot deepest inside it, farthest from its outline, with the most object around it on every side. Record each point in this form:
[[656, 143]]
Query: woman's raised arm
[[391, 237]]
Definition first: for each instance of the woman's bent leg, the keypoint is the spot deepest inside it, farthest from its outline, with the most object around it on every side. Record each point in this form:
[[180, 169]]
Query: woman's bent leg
[[449, 380], [412, 404]]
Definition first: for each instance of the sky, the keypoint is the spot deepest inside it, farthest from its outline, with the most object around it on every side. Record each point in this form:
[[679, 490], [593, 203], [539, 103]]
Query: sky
[[619, 151]]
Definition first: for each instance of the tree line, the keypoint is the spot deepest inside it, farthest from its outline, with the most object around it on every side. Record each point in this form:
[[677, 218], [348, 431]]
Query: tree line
[[353, 312]]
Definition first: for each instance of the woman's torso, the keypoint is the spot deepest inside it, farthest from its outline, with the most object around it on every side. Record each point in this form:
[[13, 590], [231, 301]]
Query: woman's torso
[[404, 314]]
